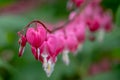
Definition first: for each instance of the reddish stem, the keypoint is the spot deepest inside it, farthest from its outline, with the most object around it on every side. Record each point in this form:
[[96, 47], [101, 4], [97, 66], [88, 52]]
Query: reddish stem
[[37, 21]]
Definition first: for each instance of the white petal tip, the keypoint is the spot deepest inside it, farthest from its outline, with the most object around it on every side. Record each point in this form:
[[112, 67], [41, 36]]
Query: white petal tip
[[49, 68], [101, 35], [21, 51], [66, 61], [65, 57]]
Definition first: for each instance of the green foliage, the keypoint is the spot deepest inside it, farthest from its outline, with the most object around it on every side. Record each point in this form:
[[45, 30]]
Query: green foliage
[[5, 2], [111, 4], [118, 17]]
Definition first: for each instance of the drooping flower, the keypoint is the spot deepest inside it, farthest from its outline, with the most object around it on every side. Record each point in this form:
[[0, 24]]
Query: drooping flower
[[80, 32], [49, 51], [36, 36], [61, 35], [70, 44], [107, 22], [93, 25]]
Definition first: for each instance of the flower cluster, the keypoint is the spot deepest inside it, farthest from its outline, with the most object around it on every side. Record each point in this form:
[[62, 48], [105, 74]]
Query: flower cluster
[[47, 44]]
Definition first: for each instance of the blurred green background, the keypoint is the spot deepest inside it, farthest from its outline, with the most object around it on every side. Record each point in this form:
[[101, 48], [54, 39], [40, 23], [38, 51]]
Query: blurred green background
[[15, 14]]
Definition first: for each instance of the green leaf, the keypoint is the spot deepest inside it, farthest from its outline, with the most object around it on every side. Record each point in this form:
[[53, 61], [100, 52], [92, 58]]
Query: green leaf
[[118, 17]]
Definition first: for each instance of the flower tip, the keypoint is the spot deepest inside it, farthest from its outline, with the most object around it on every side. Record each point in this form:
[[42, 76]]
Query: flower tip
[[65, 57], [79, 49], [49, 68], [19, 55], [48, 74], [21, 51], [18, 33], [66, 61]]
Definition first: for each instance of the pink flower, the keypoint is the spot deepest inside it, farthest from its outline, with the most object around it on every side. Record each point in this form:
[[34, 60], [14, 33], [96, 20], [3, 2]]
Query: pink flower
[[80, 31], [70, 44], [49, 51], [60, 37], [49, 46], [36, 36], [93, 25], [71, 41], [107, 22]]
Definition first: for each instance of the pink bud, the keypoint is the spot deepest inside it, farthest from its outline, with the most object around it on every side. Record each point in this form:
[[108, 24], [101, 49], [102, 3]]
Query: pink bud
[[93, 25], [72, 15], [22, 42]]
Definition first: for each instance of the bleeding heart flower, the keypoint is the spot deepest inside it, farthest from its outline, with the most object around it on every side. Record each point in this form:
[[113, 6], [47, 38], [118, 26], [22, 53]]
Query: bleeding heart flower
[[36, 36], [93, 25], [70, 45], [80, 32], [49, 51], [107, 22]]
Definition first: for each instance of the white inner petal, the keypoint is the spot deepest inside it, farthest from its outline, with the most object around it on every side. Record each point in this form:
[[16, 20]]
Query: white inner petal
[[65, 57], [45, 63], [101, 35], [38, 52], [49, 68], [80, 46], [21, 50]]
